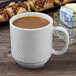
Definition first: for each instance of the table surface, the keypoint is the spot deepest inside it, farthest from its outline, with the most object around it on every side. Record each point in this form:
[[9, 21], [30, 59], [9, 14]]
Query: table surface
[[63, 65]]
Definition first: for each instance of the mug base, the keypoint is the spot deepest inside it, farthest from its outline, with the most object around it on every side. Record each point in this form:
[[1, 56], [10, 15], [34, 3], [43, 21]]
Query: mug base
[[31, 65]]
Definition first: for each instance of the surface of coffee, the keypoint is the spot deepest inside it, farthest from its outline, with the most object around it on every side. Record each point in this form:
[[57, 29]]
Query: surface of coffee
[[31, 22]]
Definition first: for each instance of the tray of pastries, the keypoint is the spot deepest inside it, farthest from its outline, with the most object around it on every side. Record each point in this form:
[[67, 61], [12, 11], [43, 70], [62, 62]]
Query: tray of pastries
[[10, 8], [44, 5]]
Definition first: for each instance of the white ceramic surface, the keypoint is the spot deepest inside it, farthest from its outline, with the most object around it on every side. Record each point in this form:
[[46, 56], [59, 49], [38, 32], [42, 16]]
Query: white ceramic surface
[[34, 46]]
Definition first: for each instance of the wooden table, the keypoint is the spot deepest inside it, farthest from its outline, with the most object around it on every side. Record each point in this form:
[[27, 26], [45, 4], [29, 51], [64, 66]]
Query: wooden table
[[63, 65]]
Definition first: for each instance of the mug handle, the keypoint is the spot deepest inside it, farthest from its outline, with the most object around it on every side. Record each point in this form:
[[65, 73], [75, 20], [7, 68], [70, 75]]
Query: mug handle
[[67, 41]]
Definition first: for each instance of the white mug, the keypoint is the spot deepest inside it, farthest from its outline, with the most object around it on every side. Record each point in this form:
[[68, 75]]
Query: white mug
[[32, 48]]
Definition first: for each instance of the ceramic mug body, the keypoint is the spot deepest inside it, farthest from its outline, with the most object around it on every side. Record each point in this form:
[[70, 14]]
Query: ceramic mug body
[[32, 48]]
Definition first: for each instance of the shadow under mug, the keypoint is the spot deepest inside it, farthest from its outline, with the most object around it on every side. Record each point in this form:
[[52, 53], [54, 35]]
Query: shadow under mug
[[32, 48]]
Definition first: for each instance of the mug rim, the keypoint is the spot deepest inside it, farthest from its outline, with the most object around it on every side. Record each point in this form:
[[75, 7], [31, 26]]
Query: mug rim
[[11, 22]]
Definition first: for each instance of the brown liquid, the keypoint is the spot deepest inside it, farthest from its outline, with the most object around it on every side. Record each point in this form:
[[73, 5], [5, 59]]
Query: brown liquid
[[31, 22]]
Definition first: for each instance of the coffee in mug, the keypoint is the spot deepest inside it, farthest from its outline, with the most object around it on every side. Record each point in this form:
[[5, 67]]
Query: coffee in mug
[[31, 22]]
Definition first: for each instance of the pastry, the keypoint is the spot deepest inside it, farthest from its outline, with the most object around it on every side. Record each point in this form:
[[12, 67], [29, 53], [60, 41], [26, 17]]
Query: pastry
[[16, 8], [11, 8], [24, 8], [40, 5], [3, 15], [61, 1]]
